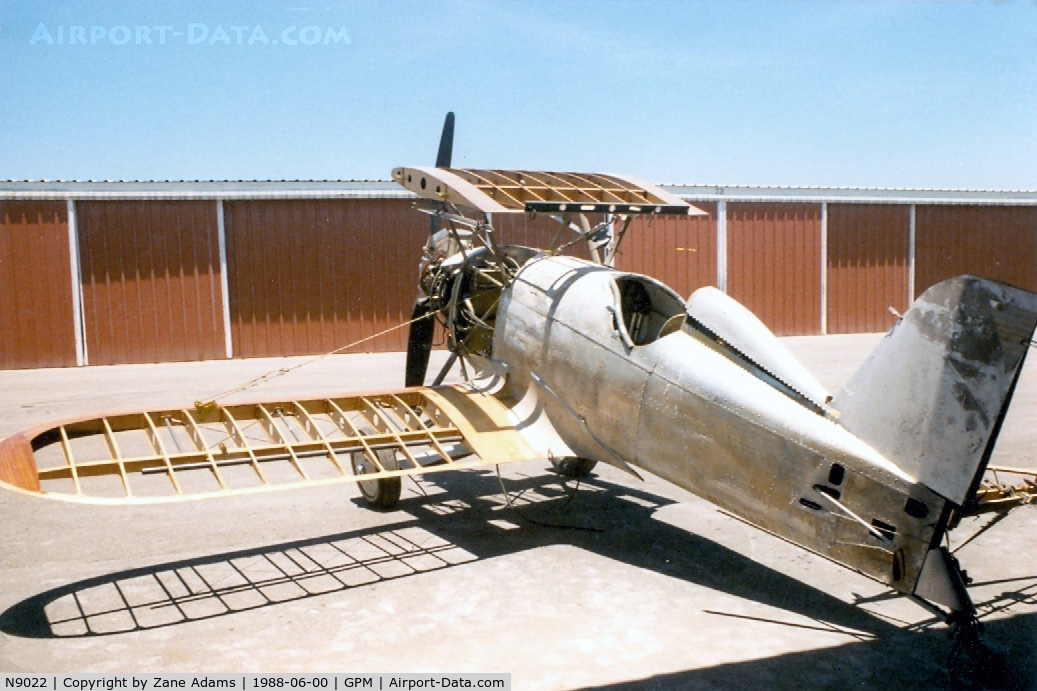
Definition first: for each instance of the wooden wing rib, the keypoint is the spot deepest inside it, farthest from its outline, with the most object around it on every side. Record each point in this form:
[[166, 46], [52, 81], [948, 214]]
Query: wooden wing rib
[[180, 454]]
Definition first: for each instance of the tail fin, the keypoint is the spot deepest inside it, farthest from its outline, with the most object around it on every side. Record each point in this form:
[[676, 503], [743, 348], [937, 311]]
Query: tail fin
[[932, 396]]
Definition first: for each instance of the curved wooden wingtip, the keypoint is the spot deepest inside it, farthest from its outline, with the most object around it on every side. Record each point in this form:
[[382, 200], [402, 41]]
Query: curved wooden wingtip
[[18, 465]]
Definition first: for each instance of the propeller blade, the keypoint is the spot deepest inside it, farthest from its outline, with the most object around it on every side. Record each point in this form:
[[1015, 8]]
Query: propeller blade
[[419, 340], [446, 142], [419, 344]]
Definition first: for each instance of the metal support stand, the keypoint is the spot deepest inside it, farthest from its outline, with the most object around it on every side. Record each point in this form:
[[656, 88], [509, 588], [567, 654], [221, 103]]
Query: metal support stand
[[970, 662]]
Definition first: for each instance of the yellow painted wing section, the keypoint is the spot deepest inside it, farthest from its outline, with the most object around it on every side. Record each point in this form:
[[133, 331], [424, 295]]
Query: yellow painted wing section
[[181, 454]]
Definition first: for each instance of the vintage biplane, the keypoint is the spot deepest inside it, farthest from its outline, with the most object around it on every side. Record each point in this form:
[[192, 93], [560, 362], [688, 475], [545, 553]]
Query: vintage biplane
[[573, 361]]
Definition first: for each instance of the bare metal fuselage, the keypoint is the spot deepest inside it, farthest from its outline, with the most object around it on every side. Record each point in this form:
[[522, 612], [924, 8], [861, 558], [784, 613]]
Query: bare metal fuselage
[[679, 406]]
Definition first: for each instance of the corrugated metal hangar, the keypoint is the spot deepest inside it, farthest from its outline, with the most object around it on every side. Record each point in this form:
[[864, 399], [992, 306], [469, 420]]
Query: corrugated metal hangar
[[121, 272]]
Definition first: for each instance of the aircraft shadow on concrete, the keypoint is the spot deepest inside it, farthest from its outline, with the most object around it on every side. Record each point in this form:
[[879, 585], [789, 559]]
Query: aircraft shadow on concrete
[[906, 659], [461, 521]]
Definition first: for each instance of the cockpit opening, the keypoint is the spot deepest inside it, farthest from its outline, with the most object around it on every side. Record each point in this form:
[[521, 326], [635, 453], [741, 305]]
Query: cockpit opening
[[650, 310]]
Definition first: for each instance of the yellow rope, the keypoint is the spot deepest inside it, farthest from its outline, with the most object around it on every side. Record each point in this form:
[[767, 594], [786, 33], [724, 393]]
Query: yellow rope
[[206, 407]]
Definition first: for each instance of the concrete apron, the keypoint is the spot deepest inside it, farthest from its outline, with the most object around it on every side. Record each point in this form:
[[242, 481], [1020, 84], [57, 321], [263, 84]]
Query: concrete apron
[[634, 584]]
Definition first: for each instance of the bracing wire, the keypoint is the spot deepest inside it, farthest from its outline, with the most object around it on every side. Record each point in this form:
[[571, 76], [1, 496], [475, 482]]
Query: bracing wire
[[275, 373]]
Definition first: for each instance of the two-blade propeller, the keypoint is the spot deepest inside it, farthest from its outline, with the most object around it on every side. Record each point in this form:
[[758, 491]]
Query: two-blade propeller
[[422, 328]]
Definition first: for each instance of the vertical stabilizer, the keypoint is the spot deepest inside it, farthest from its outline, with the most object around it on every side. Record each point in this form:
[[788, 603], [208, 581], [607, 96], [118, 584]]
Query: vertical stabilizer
[[932, 396]]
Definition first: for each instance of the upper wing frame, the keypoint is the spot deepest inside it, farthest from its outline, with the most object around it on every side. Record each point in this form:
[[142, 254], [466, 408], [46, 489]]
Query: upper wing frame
[[516, 191]]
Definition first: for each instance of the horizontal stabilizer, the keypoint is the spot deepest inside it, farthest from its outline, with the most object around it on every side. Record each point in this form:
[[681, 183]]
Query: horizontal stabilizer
[[932, 396]]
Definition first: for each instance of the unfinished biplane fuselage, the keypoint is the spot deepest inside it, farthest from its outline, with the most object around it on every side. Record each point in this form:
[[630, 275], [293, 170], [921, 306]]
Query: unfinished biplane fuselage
[[596, 363], [576, 362]]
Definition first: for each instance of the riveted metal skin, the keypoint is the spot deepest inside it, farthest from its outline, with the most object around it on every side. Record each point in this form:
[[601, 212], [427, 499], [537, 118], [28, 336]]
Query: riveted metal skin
[[682, 407]]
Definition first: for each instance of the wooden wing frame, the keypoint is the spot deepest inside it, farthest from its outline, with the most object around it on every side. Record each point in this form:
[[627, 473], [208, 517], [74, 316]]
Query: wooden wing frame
[[511, 191], [188, 453]]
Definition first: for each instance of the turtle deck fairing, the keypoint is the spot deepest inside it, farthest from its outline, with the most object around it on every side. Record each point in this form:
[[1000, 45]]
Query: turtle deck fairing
[[683, 405]]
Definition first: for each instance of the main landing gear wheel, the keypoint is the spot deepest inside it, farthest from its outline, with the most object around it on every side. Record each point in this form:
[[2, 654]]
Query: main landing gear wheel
[[573, 466], [383, 493]]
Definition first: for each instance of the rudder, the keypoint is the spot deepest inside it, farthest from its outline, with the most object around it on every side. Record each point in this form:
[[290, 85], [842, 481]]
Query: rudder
[[932, 397]]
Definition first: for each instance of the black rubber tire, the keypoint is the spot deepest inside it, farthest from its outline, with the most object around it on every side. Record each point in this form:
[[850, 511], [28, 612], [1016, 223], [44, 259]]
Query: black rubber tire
[[383, 493], [574, 466]]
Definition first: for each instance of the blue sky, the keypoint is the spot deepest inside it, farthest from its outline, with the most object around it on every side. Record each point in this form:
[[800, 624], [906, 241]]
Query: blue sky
[[911, 94]]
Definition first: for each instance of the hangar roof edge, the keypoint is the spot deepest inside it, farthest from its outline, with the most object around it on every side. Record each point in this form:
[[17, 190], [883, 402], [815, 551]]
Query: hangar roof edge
[[384, 189]]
